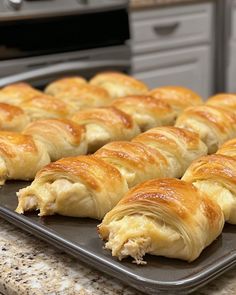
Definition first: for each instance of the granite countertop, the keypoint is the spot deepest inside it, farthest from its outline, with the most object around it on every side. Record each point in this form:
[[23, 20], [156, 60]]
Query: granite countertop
[[29, 266], [137, 4]]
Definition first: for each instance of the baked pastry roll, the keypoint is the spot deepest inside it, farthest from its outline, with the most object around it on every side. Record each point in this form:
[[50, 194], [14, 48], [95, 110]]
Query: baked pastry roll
[[12, 118], [61, 137], [20, 156], [215, 125], [79, 94], [166, 217], [118, 84], [17, 93], [228, 148], [104, 125], [179, 98], [179, 146], [64, 85], [147, 111], [226, 100], [83, 186], [45, 107], [215, 175], [135, 161]]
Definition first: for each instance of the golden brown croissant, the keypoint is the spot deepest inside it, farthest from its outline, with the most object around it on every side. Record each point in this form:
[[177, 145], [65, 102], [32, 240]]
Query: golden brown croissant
[[83, 186], [20, 156], [215, 175], [135, 161], [104, 125], [64, 84], [179, 146], [18, 92], [147, 111], [179, 98], [226, 100], [118, 84], [61, 137], [78, 93], [166, 217], [228, 148], [215, 125], [45, 107], [12, 118]]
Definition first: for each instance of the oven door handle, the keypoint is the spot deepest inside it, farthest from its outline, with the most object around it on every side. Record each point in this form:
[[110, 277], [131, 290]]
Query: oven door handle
[[71, 68]]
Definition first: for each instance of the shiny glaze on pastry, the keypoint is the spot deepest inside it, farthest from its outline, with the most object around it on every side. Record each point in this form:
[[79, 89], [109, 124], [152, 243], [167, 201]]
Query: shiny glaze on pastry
[[215, 125], [78, 93], [61, 137], [12, 118], [226, 100], [20, 156], [18, 92], [215, 175], [179, 146], [45, 107], [135, 161], [166, 217], [179, 98], [119, 84], [106, 124], [228, 148], [147, 111], [64, 84]]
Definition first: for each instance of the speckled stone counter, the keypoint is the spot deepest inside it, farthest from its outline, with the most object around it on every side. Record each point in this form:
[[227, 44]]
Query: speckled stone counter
[[29, 266]]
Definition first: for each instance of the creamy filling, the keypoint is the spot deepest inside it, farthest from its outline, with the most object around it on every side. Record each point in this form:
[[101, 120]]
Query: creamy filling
[[97, 136], [220, 194], [136, 235], [3, 171]]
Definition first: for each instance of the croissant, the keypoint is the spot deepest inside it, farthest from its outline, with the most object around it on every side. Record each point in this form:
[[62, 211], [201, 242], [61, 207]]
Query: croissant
[[135, 161], [78, 93], [119, 84], [83, 186], [20, 156], [215, 175], [45, 107], [17, 93], [179, 98], [64, 84], [12, 118], [226, 100], [104, 125], [61, 137], [167, 217], [146, 111], [228, 148], [179, 146], [215, 125]]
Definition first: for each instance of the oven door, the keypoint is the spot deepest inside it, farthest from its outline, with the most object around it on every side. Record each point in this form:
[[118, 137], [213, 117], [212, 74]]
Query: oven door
[[40, 76]]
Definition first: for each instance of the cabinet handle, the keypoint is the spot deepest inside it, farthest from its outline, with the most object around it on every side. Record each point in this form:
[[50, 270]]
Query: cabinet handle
[[166, 29]]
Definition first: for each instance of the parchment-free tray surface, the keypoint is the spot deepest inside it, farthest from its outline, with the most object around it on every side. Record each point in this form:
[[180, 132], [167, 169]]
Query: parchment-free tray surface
[[78, 237]]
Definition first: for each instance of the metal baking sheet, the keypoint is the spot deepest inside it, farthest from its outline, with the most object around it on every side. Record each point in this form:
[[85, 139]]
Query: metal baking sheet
[[78, 237]]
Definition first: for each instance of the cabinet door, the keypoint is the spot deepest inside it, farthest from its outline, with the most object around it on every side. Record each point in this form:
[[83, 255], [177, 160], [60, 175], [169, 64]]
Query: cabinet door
[[172, 27], [189, 67]]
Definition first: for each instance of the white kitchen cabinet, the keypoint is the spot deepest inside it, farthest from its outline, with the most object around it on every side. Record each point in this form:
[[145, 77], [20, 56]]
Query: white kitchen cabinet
[[174, 46], [189, 67]]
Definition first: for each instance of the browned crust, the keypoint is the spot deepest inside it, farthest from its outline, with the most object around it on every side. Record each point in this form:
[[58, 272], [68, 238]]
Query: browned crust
[[88, 168], [106, 115], [12, 142]]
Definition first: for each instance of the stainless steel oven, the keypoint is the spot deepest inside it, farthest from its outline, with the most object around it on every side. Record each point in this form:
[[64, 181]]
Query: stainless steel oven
[[62, 37]]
